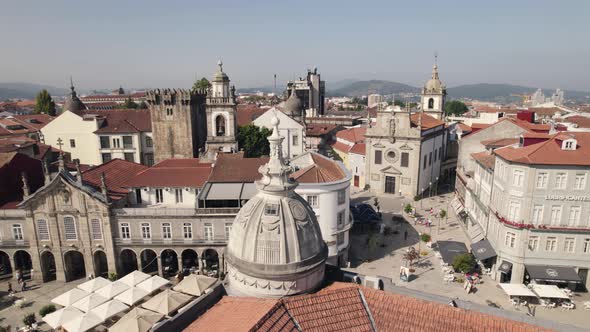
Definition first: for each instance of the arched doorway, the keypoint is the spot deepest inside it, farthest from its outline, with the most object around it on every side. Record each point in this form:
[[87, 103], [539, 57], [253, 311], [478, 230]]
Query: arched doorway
[[190, 261], [5, 267], [149, 261], [211, 261], [220, 125], [128, 260], [23, 263], [169, 263], [48, 266], [74, 265], [101, 267]]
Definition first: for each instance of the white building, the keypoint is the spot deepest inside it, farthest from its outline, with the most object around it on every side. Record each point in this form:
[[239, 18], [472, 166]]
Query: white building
[[374, 100], [293, 131]]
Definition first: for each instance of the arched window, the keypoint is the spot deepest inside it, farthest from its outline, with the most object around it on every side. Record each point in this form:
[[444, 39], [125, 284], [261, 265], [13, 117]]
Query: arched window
[[220, 125], [430, 103]]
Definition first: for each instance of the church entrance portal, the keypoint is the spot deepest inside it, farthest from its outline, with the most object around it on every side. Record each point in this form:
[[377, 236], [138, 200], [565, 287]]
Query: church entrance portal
[[390, 184]]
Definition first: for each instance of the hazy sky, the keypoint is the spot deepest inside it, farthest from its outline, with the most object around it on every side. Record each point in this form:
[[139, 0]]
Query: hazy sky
[[104, 44]]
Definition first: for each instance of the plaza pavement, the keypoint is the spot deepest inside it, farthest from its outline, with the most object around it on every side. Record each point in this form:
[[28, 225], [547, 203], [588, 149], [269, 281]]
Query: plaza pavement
[[386, 259]]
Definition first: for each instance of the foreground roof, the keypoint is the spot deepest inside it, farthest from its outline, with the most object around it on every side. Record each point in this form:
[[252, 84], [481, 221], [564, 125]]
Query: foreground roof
[[428, 121], [236, 168], [116, 173], [315, 168], [352, 135], [124, 121], [486, 159], [172, 173]]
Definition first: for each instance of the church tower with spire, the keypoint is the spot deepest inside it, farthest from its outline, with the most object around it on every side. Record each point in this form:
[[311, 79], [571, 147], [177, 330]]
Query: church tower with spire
[[434, 94]]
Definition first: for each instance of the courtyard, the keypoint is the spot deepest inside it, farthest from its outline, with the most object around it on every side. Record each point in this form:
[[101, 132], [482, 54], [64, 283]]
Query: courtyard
[[382, 255]]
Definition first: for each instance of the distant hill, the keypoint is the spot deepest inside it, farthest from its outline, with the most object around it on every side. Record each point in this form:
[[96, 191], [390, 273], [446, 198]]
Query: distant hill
[[27, 90], [360, 88]]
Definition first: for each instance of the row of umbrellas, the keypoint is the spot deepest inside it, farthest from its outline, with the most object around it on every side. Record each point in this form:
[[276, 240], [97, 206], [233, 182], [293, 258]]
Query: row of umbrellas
[[99, 299]]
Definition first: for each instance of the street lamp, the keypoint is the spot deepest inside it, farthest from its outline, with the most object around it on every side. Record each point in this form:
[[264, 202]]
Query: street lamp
[[436, 187], [429, 189]]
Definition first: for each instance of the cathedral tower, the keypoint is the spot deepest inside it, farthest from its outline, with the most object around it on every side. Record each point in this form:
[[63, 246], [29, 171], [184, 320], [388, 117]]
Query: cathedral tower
[[434, 94]]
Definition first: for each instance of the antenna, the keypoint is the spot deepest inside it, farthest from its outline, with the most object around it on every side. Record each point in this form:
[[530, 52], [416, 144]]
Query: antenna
[[436, 58]]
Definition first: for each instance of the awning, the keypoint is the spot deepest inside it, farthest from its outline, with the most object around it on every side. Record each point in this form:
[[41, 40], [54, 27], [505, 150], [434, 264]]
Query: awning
[[483, 250], [548, 291], [248, 191], [449, 249], [505, 267], [553, 273], [517, 290]]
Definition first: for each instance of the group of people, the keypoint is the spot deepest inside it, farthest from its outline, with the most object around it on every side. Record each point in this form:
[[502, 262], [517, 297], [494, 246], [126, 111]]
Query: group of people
[[21, 281]]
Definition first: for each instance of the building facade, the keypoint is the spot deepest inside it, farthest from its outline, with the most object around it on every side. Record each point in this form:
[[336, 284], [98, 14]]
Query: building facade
[[293, 132], [312, 92]]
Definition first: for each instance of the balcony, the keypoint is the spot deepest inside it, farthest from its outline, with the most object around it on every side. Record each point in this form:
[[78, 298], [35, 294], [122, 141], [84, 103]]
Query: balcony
[[14, 213], [12, 243], [216, 241], [169, 211]]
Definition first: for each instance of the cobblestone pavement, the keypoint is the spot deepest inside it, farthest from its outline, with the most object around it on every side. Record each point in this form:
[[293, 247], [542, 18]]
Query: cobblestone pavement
[[386, 259]]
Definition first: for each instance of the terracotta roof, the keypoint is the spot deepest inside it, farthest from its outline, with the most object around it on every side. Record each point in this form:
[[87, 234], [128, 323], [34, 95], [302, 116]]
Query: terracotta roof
[[497, 142], [103, 105], [549, 152], [236, 168], [485, 158], [34, 121], [320, 170], [246, 113], [352, 135], [465, 128], [428, 121], [315, 129], [15, 143], [341, 146], [358, 148], [116, 173], [172, 173], [123, 121], [581, 121]]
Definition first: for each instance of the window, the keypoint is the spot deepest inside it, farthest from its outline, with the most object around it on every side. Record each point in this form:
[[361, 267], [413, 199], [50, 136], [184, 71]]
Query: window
[[208, 232], [430, 159], [17, 232], [166, 231], [560, 180], [378, 157], [105, 142], [187, 230], [510, 240], [149, 142], [125, 231], [341, 196], [586, 248], [424, 167], [116, 143], [340, 238], [569, 144], [295, 140], [70, 228], [435, 155], [542, 179], [580, 183], [127, 142], [569, 244], [227, 230], [178, 195], [146, 231], [159, 196], [430, 103], [72, 143], [533, 243], [96, 229], [130, 156], [551, 244], [517, 177], [340, 218], [440, 152], [42, 230], [220, 125], [149, 159], [555, 215], [106, 157], [574, 217], [169, 112], [313, 201], [405, 159], [537, 214], [514, 211], [271, 209]]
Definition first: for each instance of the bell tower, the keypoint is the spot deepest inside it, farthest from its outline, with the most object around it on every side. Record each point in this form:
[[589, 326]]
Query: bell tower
[[434, 94], [221, 108]]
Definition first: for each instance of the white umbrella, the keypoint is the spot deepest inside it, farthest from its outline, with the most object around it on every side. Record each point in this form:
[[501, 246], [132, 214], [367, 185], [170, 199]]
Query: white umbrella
[[69, 297], [113, 289], [167, 301], [137, 320], [153, 283], [195, 284], [109, 309], [94, 284], [134, 278], [89, 302], [62, 316], [132, 295], [82, 323]]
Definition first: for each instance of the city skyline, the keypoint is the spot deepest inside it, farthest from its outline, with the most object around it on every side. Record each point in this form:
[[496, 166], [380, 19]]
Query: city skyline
[[169, 45]]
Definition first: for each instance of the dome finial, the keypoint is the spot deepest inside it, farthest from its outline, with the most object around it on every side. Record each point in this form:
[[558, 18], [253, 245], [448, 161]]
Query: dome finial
[[220, 64]]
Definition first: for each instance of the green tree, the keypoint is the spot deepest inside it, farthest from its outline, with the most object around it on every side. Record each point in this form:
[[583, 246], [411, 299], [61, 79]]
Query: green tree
[[142, 105], [44, 104], [408, 208], [464, 262], [402, 104], [129, 103], [201, 84], [455, 107], [252, 139]]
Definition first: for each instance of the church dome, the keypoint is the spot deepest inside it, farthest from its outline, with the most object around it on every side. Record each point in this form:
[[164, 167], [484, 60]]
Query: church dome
[[275, 246], [293, 105], [434, 84], [73, 103], [220, 76]]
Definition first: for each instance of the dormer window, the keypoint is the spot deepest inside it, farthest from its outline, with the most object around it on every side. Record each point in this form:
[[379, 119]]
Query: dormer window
[[271, 209], [521, 141], [569, 144]]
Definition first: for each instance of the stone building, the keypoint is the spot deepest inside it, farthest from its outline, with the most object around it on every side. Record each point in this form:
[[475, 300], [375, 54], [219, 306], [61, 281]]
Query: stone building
[[312, 92], [434, 94]]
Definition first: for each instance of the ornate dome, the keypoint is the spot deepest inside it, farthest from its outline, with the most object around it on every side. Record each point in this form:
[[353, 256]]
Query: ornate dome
[[220, 76], [275, 246], [293, 105], [73, 103], [434, 84]]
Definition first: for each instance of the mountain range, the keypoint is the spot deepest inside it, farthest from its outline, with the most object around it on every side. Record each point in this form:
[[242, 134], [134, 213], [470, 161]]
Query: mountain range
[[27, 90]]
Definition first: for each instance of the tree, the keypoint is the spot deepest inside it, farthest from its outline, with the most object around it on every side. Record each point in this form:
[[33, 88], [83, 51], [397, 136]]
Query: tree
[[29, 319], [142, 105], [253, 140], [408, 208], [425, 237], [129, 103], [46, 310], [202, 84], [463, 262], [44, 103], [402, 104], [411, 255], [455, 107]]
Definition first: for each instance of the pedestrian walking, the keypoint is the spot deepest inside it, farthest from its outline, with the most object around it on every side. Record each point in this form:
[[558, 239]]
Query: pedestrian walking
[[405, 235]]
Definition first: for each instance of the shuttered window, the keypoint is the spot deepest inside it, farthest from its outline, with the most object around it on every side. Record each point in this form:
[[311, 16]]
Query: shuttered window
[[96, 230], [42, 230], [70, 228]]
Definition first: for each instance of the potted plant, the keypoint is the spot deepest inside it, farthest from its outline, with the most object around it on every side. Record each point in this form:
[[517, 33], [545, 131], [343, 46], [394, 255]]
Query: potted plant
[[408, 208], [410, 256], [29, 319], [46, 310], [425, 237], [113, 276]]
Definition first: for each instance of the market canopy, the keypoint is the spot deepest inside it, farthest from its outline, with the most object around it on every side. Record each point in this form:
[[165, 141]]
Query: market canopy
[[134, 278], [83, 323], [89, 302], [68, 298], [195, 284], [553, 273], [132, 295], [153, 283], [483, 250], [94, 284], [450, 249], [136, 320], [109, 309], [517, 290], [167, 302], [62, 316], [113, 289], [548, 291]]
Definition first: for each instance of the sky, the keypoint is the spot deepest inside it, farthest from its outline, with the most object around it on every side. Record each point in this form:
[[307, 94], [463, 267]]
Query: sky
[[149, 44]]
